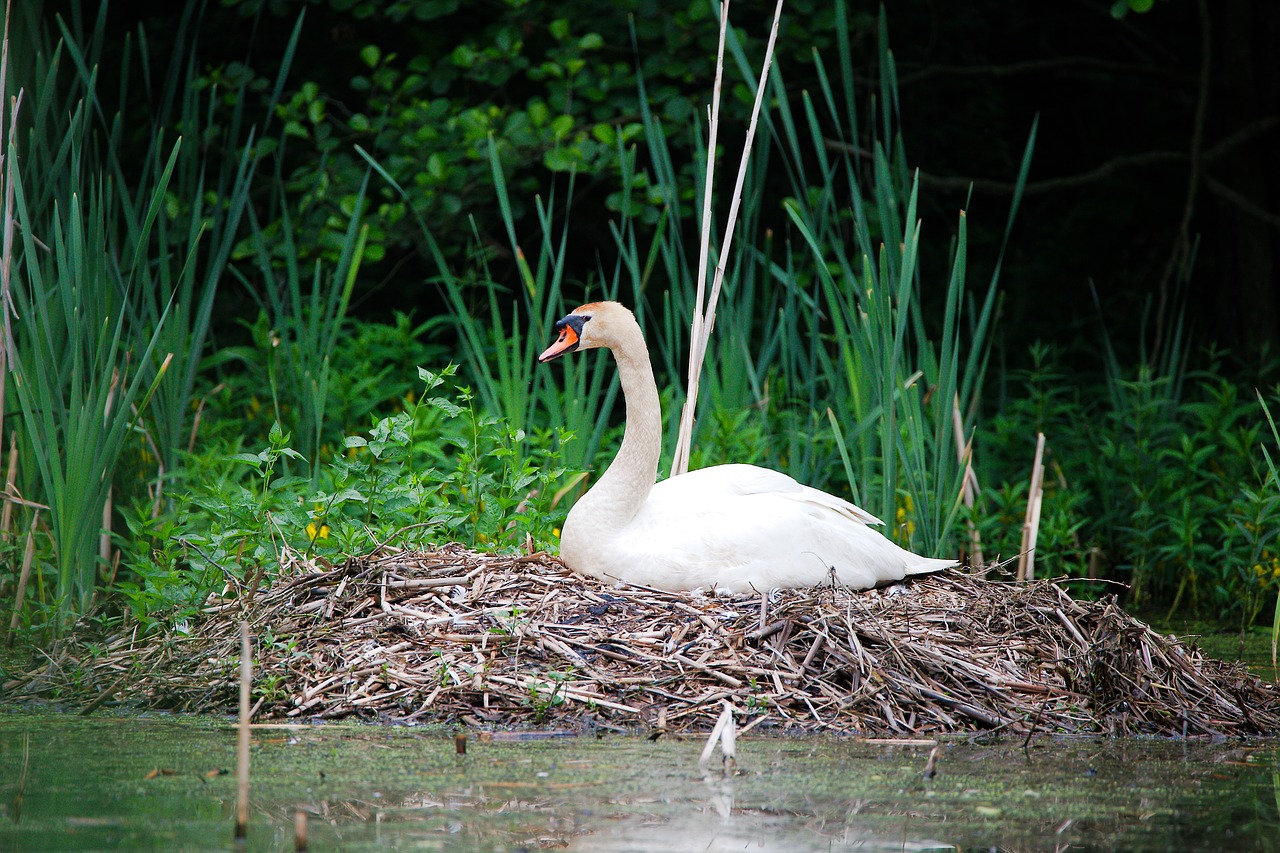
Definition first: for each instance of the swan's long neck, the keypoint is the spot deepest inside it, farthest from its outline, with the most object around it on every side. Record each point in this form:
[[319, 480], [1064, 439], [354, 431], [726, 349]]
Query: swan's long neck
[[617, 496]]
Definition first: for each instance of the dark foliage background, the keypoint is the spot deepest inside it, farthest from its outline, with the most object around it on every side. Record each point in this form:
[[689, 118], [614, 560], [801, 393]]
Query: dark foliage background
[[1154, 175]]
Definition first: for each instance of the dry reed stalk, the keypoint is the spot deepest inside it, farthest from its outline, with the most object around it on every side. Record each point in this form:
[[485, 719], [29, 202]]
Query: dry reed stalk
[[156, 491], [705, 319], [964, 454], [720, 736], [680, 459], [19, 596], [104, 537], [1031, 527], [300, 831], [10, 487]]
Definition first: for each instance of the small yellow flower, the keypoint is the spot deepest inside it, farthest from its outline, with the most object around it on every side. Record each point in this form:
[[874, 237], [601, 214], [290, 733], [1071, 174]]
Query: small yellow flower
[[903, 515], [315, 532], [555, 531]]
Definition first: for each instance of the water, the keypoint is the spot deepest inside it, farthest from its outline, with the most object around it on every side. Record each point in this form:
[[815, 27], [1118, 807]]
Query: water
[[158, 783]]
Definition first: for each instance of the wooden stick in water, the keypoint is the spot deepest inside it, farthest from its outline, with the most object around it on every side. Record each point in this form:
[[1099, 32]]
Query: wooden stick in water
[[300, 831], [725, 734], [242, 760], [729, 738]]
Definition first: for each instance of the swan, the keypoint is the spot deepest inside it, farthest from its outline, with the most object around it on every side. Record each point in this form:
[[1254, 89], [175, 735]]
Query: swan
[[736, 527]]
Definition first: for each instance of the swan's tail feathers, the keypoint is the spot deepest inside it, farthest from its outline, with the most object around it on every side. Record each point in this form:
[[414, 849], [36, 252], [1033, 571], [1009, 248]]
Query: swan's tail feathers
[[929, 565]]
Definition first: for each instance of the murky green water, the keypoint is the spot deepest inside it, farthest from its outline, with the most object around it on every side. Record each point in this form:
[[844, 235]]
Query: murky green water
[[155, 783]]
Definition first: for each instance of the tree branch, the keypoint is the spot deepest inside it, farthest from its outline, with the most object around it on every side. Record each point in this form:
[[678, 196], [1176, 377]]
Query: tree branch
[[1234, 197], [1035, 66], [1048, 185]]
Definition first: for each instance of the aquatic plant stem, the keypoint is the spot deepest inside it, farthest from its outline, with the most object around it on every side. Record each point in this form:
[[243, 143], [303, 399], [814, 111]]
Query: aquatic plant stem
[[7, 170], [300, 830]]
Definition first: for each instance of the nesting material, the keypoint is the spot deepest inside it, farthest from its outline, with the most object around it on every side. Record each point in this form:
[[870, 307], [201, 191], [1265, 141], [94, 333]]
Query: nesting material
[[454, 635]]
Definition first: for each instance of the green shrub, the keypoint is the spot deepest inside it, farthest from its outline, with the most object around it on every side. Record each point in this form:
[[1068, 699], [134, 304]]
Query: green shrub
[[439, 471], [1162, 486]]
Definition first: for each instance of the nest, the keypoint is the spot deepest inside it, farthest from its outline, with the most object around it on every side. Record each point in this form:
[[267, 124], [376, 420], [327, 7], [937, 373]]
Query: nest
[[455, 635]]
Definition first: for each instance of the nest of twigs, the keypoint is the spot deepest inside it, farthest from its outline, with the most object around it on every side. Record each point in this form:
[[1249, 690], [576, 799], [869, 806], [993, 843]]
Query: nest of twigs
[[454, 635]]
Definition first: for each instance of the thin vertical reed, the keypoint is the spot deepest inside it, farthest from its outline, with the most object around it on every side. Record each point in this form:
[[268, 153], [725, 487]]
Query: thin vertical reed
[[680, 461], [964, 455], [704, 325], [28, 556], [8, 170], [10, 479], [1031, 527]]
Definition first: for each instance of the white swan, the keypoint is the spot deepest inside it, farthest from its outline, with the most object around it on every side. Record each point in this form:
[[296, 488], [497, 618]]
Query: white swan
[[736, 527]]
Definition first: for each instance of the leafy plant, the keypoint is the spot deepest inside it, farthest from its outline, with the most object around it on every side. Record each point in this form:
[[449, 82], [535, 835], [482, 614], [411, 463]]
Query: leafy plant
[[1163, 491], [122, 248], [436, 472], [303, 325], [548, 695], [81, 371]]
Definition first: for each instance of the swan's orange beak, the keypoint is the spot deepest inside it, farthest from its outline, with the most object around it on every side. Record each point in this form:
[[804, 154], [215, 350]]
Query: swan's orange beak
[[567, 342]]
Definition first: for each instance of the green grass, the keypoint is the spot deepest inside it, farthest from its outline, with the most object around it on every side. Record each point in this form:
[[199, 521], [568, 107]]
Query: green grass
[[119, 257]]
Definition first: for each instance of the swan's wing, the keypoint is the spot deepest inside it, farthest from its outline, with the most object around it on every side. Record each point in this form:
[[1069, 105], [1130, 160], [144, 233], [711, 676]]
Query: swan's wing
[[723, 481], [743, 528]]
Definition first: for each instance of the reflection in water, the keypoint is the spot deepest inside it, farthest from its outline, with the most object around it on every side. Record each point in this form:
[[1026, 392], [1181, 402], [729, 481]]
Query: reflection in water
[[90, 784], [718, 826]]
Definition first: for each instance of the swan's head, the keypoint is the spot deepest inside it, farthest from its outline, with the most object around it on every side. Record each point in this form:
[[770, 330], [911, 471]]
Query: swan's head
[[596, 324]]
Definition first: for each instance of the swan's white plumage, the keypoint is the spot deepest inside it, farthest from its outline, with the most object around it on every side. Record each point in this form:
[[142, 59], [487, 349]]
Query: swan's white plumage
[[736, 527]]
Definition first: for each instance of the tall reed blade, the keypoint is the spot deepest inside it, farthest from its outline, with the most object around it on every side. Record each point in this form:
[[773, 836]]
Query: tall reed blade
[[71, 352]]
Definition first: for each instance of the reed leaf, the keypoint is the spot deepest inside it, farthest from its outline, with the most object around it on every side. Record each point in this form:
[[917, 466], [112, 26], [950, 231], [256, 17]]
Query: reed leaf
[[305, 310], [122, 250], [78, 375]]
